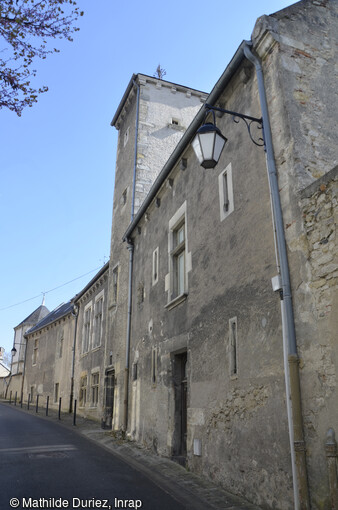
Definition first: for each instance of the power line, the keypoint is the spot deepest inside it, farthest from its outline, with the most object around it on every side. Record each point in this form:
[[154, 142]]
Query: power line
[[51, 290]]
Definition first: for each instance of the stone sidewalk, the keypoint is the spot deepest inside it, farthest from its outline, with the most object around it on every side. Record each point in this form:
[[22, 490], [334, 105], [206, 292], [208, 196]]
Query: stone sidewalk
[[194, 492]]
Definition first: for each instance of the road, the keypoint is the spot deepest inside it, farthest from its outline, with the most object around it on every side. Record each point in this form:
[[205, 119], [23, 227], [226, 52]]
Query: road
[[46, 465]]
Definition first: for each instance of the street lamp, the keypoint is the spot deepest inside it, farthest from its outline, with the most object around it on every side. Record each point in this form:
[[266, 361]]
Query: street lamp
[[209, 141]]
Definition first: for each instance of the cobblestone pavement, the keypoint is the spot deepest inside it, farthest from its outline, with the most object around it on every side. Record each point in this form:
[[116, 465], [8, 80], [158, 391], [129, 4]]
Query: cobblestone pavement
[[192, 491]]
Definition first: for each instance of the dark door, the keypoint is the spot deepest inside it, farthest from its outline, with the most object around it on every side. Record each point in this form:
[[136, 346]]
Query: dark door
[[180, 385], [107, 419]]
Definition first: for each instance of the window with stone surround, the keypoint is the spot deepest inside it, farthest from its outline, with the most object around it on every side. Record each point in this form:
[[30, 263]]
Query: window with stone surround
[[155, 266], [98, 319], [176, 282], [83, 391], [95, 388], [86, 328], [225, 187], [115, 284]]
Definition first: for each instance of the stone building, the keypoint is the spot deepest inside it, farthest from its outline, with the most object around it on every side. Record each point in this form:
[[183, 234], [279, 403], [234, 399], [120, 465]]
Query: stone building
[[19, 346], [90, 374], [221, 373], [49, 358], [151, 119], [211, 334]]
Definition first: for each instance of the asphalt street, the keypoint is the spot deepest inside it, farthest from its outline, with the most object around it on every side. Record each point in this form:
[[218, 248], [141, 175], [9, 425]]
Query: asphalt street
[[45, 465]]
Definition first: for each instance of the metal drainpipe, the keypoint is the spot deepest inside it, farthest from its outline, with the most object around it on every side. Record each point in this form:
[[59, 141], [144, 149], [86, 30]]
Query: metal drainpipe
[[126, 370], [289, 324], [75, 313]]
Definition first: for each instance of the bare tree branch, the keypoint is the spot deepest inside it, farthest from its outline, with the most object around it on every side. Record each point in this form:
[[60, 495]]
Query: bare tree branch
[[26, 26]]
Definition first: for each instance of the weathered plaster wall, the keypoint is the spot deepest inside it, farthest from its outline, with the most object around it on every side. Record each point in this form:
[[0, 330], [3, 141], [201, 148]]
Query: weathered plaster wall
[[92, 361], [298, 48], [49, 367], [240, 420], [160, 102]]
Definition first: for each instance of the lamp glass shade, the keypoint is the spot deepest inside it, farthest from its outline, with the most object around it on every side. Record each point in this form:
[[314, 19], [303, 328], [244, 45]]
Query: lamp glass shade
[[208, 145], [13, 351]]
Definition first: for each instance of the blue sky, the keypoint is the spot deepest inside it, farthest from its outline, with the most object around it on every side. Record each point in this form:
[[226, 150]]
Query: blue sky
[[58, 159]]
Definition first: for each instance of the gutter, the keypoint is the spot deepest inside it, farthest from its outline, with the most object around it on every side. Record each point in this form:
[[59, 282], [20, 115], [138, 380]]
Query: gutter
[[187, 137]]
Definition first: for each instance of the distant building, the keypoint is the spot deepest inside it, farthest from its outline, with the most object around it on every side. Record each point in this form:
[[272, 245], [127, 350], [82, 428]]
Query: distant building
[[19, 344], [49, 357], [91, 375]]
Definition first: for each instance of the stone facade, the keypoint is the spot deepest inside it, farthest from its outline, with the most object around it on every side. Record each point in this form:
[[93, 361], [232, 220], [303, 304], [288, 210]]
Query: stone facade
[[151, 119], [182, 347], [89, 370], [191, 353], [49, 358]]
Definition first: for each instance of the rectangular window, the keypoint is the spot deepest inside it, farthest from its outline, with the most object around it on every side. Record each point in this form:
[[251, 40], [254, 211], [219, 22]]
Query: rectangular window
[[176, 281], [226, 198], [155, 266], [178, 260], [86, 330], [60, 346], [56, 392], [233, 347], [124, 197], [35, 351], [115, 283], [98, 322], [95, 389], [140, 293], [153, 365], [126, 137], [83, 391], [134, 374]]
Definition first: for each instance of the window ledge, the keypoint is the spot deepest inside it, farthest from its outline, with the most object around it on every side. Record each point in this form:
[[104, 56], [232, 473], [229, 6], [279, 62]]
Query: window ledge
[[176, 301]]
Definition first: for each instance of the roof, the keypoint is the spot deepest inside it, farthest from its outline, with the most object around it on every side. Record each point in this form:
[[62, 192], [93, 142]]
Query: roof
[[57, 313], [133, 81], [92, 281], [36, 316]]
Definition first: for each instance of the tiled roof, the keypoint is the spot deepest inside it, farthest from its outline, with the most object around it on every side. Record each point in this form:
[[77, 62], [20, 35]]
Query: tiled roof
[[36, 316], [58, 313]]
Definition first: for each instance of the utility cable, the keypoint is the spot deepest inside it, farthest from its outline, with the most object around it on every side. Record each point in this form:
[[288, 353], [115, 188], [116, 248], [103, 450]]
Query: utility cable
[[51, 290]]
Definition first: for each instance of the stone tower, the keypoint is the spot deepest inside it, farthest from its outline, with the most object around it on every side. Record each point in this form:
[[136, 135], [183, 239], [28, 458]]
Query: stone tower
[[151, 119]]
